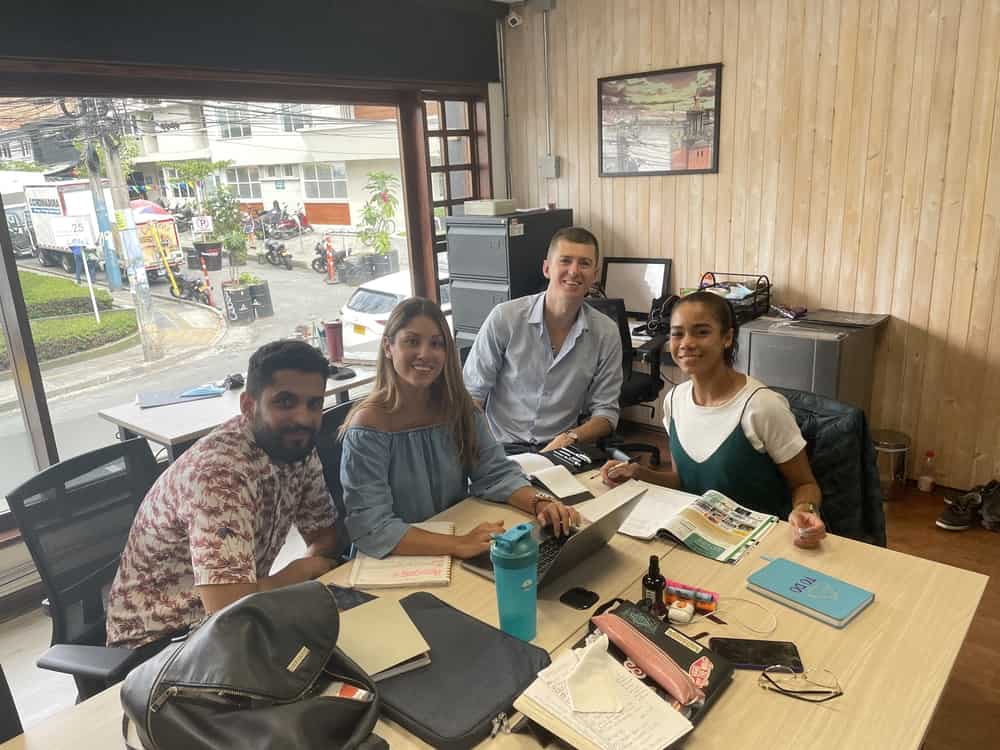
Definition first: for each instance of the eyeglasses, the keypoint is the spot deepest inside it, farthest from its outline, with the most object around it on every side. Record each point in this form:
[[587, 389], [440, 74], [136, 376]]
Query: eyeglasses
[[817, 686]]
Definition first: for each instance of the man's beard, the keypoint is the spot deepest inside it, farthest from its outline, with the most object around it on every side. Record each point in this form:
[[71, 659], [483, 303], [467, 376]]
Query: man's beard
[[271, 442]]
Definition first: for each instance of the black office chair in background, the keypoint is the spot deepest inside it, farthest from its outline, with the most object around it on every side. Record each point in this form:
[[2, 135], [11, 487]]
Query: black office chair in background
[[10, 722], [638, 388], [330, 449], [75, 518]]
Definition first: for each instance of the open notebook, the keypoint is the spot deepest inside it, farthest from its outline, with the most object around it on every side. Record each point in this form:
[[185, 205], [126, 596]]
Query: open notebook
[[404, 570]]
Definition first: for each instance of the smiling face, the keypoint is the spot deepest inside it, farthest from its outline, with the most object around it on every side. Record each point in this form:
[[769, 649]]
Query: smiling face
[[697, 342], [571, 268], [286, 418], [417, 352]]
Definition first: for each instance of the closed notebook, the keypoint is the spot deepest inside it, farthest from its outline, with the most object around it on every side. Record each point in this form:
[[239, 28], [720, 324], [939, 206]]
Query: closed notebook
[[404, 570], [399, 647], [816, 594]]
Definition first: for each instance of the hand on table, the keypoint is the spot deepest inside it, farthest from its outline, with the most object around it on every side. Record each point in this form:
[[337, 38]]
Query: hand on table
[[561, 518], [615, 472], [807, 529], [478, 540], [559, 441]]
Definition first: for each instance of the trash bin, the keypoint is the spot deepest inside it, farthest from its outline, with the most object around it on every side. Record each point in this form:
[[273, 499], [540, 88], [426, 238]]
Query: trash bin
[[211, 253], [260, 298], [381, 266], [891, 450], [239, 306], [193, 258]]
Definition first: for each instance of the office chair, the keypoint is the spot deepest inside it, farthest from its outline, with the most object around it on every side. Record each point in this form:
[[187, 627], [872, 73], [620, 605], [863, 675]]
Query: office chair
[[75, 517], [842, 457], [638, 388], [10, 722], [330, 448]]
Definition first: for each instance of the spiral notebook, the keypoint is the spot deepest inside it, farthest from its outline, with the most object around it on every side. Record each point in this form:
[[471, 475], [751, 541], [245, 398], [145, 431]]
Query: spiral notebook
[[398, 571]]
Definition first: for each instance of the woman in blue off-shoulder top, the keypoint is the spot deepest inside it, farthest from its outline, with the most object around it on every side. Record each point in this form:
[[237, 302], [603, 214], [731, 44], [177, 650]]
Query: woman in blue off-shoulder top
[[417, 445]]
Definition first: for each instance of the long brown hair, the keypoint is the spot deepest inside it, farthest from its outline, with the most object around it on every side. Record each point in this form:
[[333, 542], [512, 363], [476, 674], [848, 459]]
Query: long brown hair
[[447, 392]]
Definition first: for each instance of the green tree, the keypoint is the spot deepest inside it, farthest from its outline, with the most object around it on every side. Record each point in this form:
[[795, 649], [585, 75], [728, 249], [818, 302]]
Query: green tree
[[377, 225], [195, 171], [16, 165], [128, 150], [227, 227]]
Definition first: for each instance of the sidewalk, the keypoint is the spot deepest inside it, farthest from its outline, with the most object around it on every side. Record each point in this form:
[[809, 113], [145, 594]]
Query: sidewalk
[[186, 329]]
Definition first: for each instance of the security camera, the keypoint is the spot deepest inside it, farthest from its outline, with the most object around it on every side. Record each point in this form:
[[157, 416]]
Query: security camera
[[514, 19]]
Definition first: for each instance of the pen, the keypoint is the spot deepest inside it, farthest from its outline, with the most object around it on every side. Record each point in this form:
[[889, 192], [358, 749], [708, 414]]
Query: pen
[[615, 468]]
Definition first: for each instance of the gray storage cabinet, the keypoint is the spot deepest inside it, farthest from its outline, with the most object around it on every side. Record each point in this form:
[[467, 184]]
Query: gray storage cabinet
[[833, 361], [492, 259]]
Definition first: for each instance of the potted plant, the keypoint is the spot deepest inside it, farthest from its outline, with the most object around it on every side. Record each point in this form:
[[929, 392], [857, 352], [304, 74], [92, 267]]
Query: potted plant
[[224, 209], [260, 294], [378, 225]]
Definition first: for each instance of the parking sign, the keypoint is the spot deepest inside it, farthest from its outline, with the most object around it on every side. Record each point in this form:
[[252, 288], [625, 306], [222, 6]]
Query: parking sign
[[201, 224]]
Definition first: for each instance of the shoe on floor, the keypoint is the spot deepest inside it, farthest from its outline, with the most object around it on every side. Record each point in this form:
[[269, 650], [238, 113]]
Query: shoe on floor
[[959, 515], [991, 506]]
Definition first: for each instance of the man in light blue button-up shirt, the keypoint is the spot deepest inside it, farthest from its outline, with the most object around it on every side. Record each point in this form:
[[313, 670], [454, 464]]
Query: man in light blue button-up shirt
[[541, 361]]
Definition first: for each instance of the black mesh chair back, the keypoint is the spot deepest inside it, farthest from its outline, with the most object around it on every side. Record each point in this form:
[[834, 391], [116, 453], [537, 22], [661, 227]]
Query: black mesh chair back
[[10, 722], [330, 448], [75, 518], [614, 308]]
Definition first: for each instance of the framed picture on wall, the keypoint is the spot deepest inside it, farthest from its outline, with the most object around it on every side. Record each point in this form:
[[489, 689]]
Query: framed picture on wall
[[660, 122]]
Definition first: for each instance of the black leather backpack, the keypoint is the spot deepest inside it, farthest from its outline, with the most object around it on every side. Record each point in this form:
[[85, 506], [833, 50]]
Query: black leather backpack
[[253, 677]]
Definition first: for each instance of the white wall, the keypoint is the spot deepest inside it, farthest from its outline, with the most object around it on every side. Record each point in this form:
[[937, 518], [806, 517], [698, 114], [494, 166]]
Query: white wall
[[357, 176]]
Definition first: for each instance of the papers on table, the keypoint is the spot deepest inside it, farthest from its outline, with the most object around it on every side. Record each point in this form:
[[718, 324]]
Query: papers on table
[[594, 510], [557, 479], [531, 462], [655, 510]]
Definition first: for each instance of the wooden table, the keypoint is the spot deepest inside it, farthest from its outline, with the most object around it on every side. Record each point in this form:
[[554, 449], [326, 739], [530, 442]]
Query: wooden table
[[178, 426], [892, 661]]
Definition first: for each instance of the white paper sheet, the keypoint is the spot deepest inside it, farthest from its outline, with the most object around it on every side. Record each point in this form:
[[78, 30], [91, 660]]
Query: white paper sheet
[[560, 482], [531, 462], [654, 510]]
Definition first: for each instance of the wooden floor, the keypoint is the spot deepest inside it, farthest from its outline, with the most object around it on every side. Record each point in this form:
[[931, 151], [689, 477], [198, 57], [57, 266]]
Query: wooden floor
[[965, 718]]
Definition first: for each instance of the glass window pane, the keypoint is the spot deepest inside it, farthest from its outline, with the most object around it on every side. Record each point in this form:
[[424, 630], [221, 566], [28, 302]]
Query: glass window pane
[[309, 171], [340, 189], [311, 190], [456, 115], [339, 171], [254, 174], [323, 172], [230, 175], [326, 189], [461, 183], [434, 151], [289, 170], [459, 150], [433, 115], [255, 190], [437, 186], [439, 213]]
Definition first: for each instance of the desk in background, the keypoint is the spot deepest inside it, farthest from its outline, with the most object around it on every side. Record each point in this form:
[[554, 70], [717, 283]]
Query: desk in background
[[178, 426]]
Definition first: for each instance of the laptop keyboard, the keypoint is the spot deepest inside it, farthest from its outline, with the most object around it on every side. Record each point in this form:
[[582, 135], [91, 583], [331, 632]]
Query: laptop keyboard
[[548, 548]]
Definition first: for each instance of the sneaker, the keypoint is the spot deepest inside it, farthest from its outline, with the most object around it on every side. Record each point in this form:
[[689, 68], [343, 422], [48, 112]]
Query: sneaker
[[958, 515], [991, 507]]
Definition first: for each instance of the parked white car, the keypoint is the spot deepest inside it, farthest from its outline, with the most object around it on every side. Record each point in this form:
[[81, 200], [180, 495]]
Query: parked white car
[[367, 311]]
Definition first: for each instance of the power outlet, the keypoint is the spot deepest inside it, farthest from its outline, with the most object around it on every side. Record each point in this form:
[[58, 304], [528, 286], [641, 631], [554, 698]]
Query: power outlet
[[548, 167]]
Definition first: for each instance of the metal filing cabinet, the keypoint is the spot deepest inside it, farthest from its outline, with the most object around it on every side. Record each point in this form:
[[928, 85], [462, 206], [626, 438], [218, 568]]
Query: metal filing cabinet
[[833, 361], [492, 259]]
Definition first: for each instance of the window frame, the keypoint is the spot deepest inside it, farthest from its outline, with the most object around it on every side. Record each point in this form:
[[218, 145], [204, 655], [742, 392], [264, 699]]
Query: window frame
[[238, 183], [227, 120], [334, 181]]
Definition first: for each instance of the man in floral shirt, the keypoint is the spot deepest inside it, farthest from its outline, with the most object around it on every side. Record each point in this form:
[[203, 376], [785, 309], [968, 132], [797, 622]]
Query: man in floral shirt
[[210, 528]]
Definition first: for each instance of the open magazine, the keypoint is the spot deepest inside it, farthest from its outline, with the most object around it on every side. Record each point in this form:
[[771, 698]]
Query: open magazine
[[711, 524]]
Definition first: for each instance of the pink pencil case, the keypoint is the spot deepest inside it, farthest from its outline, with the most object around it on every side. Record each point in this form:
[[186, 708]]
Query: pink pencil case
[[650, 658]]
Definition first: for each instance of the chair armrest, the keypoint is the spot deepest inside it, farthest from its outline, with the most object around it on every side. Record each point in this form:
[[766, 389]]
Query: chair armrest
[[108, 665]]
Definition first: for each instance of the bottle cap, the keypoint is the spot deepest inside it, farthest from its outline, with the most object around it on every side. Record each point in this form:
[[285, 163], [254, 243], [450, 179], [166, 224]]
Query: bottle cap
[[929, 454], [515, 542]]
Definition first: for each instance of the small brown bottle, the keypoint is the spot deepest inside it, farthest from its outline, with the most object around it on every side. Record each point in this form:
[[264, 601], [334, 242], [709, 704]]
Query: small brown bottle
[[653, 586]]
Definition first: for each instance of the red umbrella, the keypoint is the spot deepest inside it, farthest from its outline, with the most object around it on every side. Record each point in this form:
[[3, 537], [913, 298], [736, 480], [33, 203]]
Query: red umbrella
[[140, 207]]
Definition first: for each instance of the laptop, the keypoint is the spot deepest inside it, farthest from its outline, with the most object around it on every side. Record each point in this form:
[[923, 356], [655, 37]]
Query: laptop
[[559, 555]]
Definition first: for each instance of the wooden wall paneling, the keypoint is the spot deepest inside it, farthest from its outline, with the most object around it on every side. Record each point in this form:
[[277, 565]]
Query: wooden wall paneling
[[758, 113], [592, 58], [671, 59], [699, 53], [710, 199], [741, 139], [727, 126], [564, 130], [629, 233], [845, 285], [606, 18], [840, 152], [806, 134], [917, 339], [825, 98], [517, 115], [774, 137], [883, 410], [682, 184], [639, 216], [942, 352], [978, 243], [876, 155]]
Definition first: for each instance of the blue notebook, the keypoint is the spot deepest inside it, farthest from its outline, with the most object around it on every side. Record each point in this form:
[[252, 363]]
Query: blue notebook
[[816, 594]]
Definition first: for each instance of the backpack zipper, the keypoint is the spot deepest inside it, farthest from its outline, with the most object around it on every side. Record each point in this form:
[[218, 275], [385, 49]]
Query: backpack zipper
[[500, 724], [175, 691]]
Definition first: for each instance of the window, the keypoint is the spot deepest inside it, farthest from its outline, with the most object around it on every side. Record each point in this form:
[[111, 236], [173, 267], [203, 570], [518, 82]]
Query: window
[[295, 117], [325, 181], [177, 189], [278, 171], [245, 182], [5, 152], [234, 121]]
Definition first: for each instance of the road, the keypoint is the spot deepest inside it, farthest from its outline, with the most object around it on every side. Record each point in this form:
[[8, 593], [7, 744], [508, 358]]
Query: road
[[300, 297]]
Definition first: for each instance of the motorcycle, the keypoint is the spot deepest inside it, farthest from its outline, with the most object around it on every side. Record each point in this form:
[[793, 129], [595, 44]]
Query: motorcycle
[[193, 289], [276, 254], [319, 262], [183, 215], [293, 226]]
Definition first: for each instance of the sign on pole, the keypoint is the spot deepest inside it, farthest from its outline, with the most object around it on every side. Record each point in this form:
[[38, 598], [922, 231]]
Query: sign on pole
[[77, 233], [201, 224]]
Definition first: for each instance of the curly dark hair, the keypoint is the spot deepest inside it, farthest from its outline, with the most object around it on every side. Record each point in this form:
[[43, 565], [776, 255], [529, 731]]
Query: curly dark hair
[[286, 354]]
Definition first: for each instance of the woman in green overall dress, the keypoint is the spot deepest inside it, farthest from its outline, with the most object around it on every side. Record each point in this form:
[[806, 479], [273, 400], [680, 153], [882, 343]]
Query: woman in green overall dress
[[728, 431]]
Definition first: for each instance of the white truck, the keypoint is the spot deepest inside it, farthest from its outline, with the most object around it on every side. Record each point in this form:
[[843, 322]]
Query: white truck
[[73, 199]]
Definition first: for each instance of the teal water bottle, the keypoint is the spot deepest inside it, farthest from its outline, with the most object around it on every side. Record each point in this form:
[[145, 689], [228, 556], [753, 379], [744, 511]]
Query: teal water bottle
[[515, 568]]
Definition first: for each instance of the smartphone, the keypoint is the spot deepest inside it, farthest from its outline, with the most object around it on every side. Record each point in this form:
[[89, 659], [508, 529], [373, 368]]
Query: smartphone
[[747, 653]]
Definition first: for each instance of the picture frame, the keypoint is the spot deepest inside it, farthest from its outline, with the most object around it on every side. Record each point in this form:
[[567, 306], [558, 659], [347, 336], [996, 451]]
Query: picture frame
[[661, 122]]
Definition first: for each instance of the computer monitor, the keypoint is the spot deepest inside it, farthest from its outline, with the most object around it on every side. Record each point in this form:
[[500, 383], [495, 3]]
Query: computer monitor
[[638, 281]]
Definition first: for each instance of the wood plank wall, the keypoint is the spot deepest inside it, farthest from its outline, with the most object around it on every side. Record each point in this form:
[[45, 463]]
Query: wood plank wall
[[859, 169]]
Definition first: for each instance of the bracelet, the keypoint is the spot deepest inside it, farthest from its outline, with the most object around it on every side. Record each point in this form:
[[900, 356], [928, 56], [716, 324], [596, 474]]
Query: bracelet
[[539, 497], [807, 508]]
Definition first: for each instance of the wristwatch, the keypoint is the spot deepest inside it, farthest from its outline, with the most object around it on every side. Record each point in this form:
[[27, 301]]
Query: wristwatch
[[806, 507], [572, 435]]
